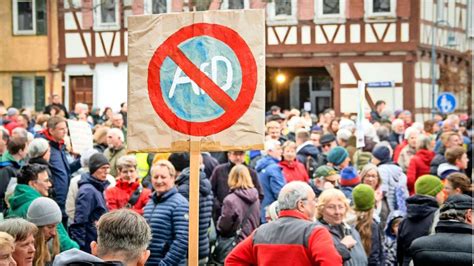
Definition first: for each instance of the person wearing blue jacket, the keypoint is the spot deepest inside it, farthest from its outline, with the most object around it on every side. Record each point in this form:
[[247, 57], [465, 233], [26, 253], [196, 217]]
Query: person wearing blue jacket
[[167, 213], [59, 165], [270, 175], [90, 202]]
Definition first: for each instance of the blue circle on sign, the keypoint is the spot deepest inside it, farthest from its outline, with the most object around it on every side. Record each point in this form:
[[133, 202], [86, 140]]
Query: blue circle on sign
[[217, 61], [446, 102]]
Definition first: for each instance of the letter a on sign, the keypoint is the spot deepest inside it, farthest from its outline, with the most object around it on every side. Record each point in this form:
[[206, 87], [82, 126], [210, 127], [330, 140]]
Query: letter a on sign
[[196, 77]]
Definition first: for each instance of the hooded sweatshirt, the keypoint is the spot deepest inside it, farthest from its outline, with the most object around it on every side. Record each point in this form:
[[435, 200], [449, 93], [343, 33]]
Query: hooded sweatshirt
[[418, 166], [238, 204], [392, 177], [21, 200], [420, 213], [76, 256], [294, 171], [205, 206]]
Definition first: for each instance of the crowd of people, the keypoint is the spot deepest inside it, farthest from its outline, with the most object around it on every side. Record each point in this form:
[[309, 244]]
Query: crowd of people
[[318, 194]]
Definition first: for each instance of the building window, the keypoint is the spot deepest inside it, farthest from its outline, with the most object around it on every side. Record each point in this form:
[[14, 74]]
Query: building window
[[157, 6], [28, 92], [282, 12], [29, 17], [106, 14], [235, 4], [330, 10], [380, 8]]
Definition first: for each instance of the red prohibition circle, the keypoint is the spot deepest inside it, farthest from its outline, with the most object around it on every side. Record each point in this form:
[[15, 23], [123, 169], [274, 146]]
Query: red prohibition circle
[[233, 110]]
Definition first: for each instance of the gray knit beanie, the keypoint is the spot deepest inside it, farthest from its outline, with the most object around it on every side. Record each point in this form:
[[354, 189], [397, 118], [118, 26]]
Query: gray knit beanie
[[38, 148], [44, 211]]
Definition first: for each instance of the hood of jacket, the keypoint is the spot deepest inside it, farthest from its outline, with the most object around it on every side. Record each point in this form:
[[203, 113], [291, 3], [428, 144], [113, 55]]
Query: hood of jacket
[[420, 206], [445, 169], [248, 195], [426, 156], [308, 149], [22, 195], [74, 256], [45, 134], [87, 178], [265, 162], [205, 187], [287, 164], [391, 217], [7, 159], [390, 168]]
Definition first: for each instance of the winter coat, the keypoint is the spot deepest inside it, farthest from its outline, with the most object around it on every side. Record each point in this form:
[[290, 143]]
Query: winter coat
[[113, 154], [294, 171], [90, 206], [437, 161], [290, 240], [390, 242], [117, 197], [395, 139], [420, 214], [61, 169], [205, 206], [236, 206], [451, 245], [392, 177], [209, 164], [21, 200], [418, 166], [272, 180], [405, 157], [167, 215], [220, 188], [376, 257], [398, 150], [9, 168], [305, 150], [356, 255]]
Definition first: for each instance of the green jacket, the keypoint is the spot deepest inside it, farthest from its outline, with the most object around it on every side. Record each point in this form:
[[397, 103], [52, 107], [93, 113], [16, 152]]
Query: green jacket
[[20, 202]]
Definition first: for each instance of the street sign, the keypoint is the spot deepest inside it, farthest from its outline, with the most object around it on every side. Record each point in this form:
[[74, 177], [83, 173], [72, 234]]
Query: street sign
[[193, 103], [196, 76], [446, 102], [381, 84]]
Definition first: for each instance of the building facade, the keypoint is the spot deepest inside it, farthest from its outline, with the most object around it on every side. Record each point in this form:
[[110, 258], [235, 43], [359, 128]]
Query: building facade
[[321, 47], [28, 53]]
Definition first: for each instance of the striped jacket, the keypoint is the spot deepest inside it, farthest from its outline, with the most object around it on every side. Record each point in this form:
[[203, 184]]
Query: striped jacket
[[167, 215]]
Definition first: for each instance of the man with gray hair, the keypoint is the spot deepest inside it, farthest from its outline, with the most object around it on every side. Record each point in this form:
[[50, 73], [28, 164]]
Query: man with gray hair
[[292, 239], [122, 239], [116, 149]]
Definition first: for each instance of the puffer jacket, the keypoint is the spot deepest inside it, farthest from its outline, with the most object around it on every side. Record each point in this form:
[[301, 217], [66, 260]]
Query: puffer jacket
[[90, 206], [392, 176], [418, 166], [390, 242], [420, 213], [271, 179], [205, 206], [167, 215], [236, 206]]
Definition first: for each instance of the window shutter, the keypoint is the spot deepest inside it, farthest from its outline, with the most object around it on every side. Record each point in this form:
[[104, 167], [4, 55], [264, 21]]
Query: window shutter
[[39, 93], [41, 18], [17, 92]]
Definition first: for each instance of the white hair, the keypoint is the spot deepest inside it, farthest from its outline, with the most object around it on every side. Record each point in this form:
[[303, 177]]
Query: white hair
[[396, 123], [271, 144], [291, 193], [117, 132], [409, 131]]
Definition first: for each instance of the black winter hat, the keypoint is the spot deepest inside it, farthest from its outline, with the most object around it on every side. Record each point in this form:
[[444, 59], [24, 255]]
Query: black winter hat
[[382, 153], [180, 160], [96, 161], [458, 202]]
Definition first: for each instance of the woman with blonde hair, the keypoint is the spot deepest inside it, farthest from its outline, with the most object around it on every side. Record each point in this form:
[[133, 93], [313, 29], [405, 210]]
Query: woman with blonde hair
[[370, 176], [240, 214], [7, 246], [369, 230], [332, 209], [23, 232]]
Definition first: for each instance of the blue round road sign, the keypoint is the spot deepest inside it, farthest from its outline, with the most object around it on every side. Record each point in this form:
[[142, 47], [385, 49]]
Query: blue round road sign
[[446, 102]]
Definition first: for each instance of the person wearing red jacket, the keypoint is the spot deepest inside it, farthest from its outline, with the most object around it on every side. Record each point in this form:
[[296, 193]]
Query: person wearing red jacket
[[293, 170], [420, 163], [128, 192], [292, 239]]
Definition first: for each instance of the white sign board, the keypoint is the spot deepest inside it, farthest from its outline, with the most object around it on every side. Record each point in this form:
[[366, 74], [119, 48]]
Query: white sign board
[[81, 137]]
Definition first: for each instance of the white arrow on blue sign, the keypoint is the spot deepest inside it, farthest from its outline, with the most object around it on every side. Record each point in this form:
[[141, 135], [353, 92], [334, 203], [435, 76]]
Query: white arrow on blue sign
[[446, 102]]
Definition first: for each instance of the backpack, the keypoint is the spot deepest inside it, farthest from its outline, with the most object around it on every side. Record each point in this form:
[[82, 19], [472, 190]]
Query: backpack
[[311, 165]]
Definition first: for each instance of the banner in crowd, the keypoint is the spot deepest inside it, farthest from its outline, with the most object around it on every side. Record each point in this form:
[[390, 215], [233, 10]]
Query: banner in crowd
[[196, 76], [81, 136]]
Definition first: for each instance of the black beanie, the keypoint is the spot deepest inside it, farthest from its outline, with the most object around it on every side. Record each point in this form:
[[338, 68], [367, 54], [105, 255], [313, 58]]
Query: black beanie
[[96, 161], [180, 160], [382, 153]]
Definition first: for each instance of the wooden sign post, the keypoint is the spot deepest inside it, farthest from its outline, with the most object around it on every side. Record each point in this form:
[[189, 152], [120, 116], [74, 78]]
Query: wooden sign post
[[197, 83]]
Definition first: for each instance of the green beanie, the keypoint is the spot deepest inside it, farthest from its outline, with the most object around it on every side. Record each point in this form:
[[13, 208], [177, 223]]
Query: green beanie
[[364, 197], [324, 171], [428, 185]]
